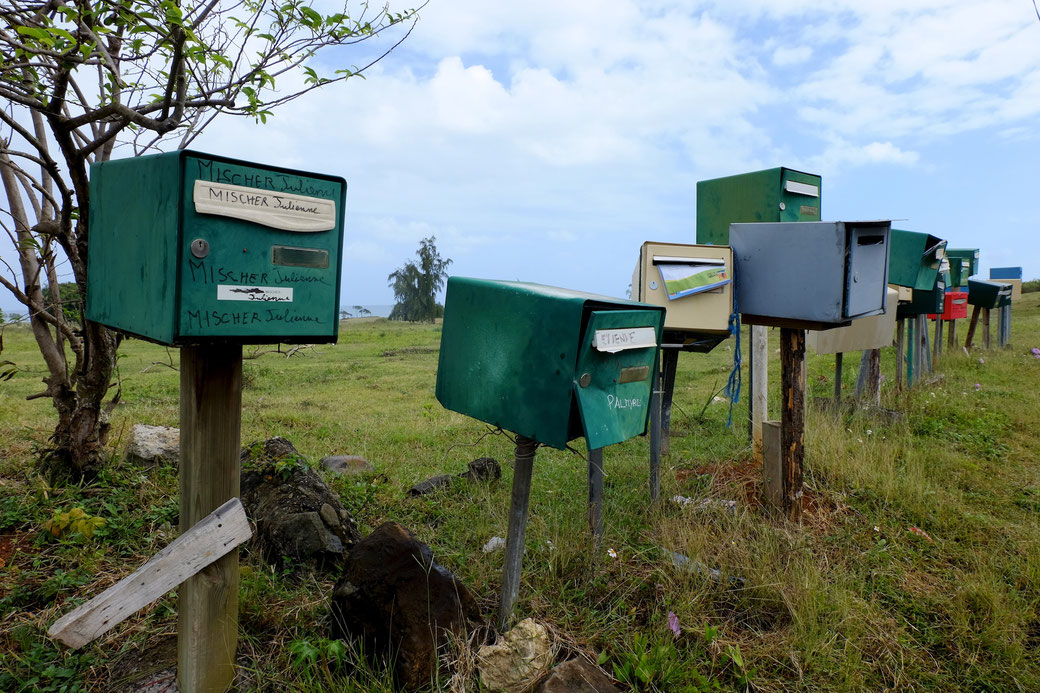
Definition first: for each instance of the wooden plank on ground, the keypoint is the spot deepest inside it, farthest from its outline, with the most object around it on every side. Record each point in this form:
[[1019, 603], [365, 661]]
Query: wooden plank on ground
[[213, 537]]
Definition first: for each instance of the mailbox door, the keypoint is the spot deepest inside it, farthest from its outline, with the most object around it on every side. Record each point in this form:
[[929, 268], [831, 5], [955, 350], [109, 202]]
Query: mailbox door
[[260, 253], [799, 196], [867, 276], [616, 362], [699, 312]]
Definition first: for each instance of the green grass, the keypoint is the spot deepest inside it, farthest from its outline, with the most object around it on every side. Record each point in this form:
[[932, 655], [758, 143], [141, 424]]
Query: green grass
[[917, 566]]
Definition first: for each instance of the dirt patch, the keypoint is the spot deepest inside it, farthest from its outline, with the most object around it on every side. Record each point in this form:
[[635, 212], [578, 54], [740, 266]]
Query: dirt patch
[[7, 542]]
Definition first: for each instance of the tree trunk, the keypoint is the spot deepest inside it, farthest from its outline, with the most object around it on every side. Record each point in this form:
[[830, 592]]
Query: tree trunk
[[82, 429]]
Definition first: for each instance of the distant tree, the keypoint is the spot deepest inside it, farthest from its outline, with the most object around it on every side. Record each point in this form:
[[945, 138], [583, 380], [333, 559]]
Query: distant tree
[[416, 284], [67, 299], [362, 311], [344, 314]]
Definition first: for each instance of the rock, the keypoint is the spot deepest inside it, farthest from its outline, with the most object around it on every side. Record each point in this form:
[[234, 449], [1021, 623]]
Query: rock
[[483, 469], [296, 515], [154, 445], [494, 544], [577, 676], [519, 658], [401, 603], [431, 485], [347, 465]]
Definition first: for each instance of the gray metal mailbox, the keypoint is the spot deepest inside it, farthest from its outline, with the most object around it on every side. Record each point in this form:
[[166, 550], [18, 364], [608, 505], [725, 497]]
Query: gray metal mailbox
[[810, 274]]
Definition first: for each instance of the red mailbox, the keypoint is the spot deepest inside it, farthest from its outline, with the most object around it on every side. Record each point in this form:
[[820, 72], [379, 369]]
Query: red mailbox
[[955, 306]]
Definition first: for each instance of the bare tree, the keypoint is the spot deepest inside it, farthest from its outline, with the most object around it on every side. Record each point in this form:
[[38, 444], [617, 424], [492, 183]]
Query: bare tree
[[80, 79]]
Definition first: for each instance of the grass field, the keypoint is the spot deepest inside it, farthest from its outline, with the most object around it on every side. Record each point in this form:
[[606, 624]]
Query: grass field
[[917, 566]]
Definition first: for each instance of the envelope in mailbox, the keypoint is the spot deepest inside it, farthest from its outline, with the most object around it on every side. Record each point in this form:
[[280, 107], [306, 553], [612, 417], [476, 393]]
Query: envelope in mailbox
[[686, 276]]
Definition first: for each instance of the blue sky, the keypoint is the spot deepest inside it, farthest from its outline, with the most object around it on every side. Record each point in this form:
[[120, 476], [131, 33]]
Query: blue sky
[[545, 141]]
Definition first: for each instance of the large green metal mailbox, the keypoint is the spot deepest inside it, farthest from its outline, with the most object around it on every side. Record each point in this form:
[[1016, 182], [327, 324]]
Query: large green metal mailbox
[[914, 259], [989, 295], [188, 248], [964, 263], [776, 194], [546, 363]]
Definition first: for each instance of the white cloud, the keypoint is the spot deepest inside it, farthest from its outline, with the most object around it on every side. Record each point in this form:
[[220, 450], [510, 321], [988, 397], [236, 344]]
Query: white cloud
[[785, 56]]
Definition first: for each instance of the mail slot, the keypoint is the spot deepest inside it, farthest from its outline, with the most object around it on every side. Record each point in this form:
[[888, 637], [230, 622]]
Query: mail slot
[[188, 248], [955, 306], [986, 294], [914, 259], [773, 195], [817, 274], [1008, 275], [547, 363], [964, 263], [694, 283]]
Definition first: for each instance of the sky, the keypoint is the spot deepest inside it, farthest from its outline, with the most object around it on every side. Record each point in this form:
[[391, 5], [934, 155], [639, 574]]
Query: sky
[[545, 141]]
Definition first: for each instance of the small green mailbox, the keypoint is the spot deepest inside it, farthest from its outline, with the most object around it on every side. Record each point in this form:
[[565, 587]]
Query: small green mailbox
[[988, 295], [914, 259], [546, 363], [188, 248], [929, 301], [964, 263], [776, 194]]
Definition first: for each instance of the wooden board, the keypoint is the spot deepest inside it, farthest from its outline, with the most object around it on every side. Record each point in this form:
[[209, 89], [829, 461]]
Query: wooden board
[[214, 536]]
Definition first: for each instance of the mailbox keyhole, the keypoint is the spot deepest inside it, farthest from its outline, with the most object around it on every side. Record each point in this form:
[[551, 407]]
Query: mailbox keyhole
[[200, 248], [585, 379]]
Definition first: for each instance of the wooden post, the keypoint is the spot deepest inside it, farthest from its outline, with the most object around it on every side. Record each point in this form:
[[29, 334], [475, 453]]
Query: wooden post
[[596, 497], [951, 336], [655, 437], [937, 342], [519, 506], [1005, 326], [861, 375], [900, 329], [926, 351], [772, 468], [837, 379], [985, 329], [669, 364], [971, 327], [911, 352], [759, 384], [211, 418], [792, 421]]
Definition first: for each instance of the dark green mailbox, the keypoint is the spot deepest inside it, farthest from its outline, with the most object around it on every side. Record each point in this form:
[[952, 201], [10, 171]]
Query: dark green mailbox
[[776, 194], [964, 263], [930, 301], [188, 248], [546, 363], [990, 295], [914, 260]]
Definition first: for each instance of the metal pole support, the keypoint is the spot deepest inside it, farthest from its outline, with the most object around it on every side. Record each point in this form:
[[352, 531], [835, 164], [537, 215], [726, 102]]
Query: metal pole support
[[596, 497], [519, 507]]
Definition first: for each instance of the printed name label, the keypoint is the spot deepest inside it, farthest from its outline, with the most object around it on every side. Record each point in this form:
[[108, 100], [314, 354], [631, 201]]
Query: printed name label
[[284, 211], [612, 341], [269, 294]]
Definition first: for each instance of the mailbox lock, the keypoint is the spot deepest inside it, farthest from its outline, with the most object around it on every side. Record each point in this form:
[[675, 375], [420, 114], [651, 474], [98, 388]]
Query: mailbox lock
[[200, 248], [783, 206], [585, 379], [653, 284]]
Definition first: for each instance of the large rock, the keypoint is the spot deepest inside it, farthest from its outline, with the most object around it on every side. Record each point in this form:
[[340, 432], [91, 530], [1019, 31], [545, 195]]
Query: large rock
[[517, 660], [297, 516], [347, 465], [153, 445], [577, 676], [401, 603]]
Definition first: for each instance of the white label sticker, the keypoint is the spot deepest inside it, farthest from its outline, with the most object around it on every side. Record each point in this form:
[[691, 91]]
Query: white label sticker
[[267, 294], [284, 211], [616, 340]]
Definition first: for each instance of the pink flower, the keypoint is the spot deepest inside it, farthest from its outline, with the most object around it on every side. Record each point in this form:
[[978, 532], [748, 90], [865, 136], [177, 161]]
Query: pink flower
[[1036, 352], [978, 386], [673, 623]]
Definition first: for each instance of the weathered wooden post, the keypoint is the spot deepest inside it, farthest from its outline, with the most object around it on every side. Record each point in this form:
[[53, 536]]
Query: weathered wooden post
[[975, 311], [792, 419], [519, 507], [759, 385], [985, 329], [900, 357], [837, 379], [911, 352], [596, 497], [211, 415], [656, 433]]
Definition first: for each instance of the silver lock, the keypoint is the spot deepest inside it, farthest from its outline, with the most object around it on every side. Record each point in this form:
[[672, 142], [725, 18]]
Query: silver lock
[[653, 285], [783, 206], [200, 248]]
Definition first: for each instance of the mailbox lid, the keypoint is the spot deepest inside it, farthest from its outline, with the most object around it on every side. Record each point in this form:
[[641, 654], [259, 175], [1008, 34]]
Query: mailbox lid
[[964, 262], [700, 313], [274, 243], [914, 258], [988, 294], [868, 261], [772, 195], [616, 364], [1005, 273]]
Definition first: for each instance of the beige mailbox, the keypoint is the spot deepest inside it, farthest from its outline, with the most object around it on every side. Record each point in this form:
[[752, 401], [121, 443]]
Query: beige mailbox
[[873, 332], [693, 282]]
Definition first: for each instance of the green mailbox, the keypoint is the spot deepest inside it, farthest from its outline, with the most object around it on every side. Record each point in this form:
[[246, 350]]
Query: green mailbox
[[548, 364], [929, 301], [914, 259], [964, 263], [988, 295], [776, 194], [189, 248]]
